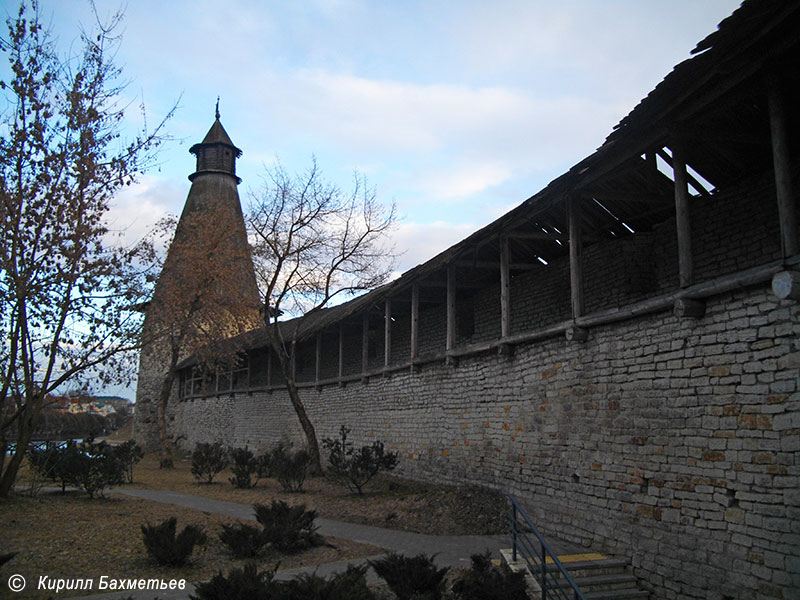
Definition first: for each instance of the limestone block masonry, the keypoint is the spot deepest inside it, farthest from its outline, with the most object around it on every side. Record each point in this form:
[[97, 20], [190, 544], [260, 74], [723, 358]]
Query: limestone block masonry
[[673, 441]]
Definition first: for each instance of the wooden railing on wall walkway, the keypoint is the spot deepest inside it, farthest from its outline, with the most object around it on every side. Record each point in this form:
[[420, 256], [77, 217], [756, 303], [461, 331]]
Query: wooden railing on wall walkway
[[572, 328]]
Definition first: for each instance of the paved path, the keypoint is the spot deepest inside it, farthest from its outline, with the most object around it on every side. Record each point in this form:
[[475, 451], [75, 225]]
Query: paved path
[[451, 550]]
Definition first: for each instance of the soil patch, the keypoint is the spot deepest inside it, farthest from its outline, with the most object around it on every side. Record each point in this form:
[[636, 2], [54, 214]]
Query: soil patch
[[389, 502], [71, 536]]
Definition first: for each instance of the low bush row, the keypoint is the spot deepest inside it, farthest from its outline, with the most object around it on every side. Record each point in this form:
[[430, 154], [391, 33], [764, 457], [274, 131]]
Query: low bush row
[[409, 578], [284, 528], [89, 465], [351, 467], [289, 467]]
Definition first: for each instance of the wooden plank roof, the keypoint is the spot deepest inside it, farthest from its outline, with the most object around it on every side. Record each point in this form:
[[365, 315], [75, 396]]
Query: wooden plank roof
[[716, 100]]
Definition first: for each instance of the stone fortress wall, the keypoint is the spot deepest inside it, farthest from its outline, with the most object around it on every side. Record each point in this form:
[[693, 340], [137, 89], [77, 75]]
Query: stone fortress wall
[[672, 440]]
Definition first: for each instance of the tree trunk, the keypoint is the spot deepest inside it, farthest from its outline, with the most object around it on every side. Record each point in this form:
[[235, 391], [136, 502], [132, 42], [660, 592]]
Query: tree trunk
[[26, 425], [163, 401], [308, 426], [297, 404]]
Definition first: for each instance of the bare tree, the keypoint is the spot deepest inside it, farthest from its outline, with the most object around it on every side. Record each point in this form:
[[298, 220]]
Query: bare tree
[[314, 243], [64, 287], [199, 306]]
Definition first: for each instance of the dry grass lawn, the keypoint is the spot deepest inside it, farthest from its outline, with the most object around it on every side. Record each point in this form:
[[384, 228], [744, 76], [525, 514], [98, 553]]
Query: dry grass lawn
[[72, 536], [387, 502]]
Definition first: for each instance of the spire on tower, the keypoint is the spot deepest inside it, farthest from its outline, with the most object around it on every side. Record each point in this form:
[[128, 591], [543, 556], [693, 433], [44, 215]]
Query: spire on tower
[[216, 153]]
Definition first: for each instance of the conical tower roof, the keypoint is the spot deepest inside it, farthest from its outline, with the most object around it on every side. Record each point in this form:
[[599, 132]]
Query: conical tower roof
[[217, 135], [216, 153], [209, 257]]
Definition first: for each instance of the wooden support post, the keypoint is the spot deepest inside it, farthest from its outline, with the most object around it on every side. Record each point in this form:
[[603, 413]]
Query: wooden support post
[[451, 311], [364, 346], [505, 297], [652, 169], [341, 354], [779, 130], [575, 257], [387, 333], [269, 367], [249, 359], [505, 289], [682, 217], [293, 359], [318, 360], [414, 323]]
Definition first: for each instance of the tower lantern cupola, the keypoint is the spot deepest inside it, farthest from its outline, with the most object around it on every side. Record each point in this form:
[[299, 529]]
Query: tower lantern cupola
[[216, 153]]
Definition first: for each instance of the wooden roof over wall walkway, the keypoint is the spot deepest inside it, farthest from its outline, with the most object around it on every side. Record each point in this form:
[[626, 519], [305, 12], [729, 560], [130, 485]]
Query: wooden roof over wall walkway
[[714, 112]]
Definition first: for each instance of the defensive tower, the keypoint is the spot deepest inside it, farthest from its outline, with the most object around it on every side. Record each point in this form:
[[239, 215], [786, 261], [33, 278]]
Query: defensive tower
[[208, 276]]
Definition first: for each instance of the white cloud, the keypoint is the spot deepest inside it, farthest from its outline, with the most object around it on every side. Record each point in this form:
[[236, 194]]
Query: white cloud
[[137, 208], [423, 241], [463, 179]]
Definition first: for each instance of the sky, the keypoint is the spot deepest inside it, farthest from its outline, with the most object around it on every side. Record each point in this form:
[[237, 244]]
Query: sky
[[457, 111]]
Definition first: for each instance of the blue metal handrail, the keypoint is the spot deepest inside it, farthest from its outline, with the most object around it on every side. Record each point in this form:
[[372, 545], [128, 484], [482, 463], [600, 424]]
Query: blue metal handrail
[[536, 558]]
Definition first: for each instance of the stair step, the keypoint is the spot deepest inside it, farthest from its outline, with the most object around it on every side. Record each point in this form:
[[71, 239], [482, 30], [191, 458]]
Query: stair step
[[616, 595], [598, 580], [586, 565]]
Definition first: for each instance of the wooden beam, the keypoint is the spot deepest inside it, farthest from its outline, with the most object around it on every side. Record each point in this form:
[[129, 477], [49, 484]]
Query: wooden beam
[[269, 366], [387, 333], [682, 216], [492, 264], [365, 343], [779, 131], [652, 169], [647, 198], [451, 307], [786, 284], [505, 289], [443, 284], [414, 321], [341, 350], [575, 257], [688, 176], [534, 235]]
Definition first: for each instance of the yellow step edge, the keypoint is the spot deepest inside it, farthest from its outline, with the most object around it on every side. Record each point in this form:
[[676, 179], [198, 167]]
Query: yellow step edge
[[567, 558]]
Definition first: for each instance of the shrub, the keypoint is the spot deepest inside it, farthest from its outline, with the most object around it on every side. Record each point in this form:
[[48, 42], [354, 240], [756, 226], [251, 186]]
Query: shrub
[[44, 458], [354, 468], [245, 466], [348, 585], [128, 454], [89, 465], [485, 581], [168, 549], [208, 460], [96, 467], [289, 468], [68, 464], [240, 584], [244, 541], [4, 558], [416, 577], [290, 529]]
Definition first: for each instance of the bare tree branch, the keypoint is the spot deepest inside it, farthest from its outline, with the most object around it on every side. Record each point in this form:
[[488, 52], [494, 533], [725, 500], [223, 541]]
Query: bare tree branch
[[313, 243], [64, 288]]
